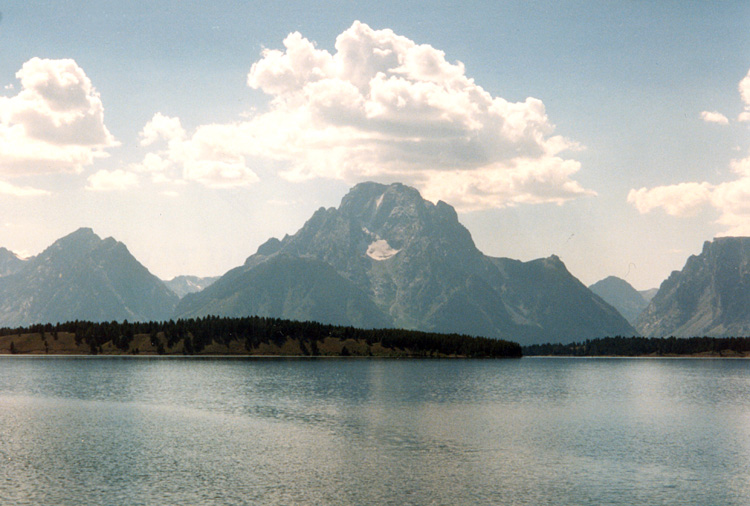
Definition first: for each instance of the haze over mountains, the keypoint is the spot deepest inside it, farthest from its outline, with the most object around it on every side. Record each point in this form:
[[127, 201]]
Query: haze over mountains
[[183, 285], [623, 297], [384, 258]]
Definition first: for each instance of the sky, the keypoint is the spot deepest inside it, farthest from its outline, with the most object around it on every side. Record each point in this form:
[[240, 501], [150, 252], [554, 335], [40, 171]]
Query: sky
[[614, 134]]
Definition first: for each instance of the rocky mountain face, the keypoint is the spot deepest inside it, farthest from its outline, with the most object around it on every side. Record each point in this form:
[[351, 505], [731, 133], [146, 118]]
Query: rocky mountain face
[[409, 263], [622, 296], [555, 304], [710, 296], [9, 262], [183, 285], [83, 277]]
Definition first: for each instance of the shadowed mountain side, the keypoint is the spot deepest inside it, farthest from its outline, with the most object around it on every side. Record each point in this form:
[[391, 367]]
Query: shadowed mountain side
[[710, 296], [83, 277], [623, 297], [290, 288], [554, 304]]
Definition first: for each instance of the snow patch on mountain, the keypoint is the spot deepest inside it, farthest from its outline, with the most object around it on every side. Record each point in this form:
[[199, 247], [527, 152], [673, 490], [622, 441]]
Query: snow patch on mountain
[[380, 250]]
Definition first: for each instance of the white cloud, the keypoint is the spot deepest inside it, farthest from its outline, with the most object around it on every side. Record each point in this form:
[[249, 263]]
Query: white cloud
[[115, 180], [730, 198], [744, 88], [210, 157], [714, 117], [20, 191], [684, 199], [380, 107], [54, 124], [162, 127]]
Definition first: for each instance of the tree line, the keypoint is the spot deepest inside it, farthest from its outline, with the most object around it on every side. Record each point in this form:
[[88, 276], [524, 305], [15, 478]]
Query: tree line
[[637, 346], [196, 334]]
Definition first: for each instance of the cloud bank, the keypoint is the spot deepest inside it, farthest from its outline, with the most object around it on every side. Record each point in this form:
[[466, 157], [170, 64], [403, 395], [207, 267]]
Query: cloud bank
[[379, 107], [731, 198]]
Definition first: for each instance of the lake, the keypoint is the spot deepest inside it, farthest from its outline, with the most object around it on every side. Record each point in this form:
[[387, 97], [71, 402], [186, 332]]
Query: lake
[[535, 431]]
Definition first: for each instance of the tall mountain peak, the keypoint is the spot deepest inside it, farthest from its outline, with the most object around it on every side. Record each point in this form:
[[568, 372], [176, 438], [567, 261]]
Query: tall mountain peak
[[82, 276], [622, 296], [709, 296], [83, 235], [412, 264]]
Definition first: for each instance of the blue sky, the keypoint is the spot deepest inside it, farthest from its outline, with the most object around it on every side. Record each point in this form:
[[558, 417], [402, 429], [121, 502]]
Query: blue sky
[[632, 151]]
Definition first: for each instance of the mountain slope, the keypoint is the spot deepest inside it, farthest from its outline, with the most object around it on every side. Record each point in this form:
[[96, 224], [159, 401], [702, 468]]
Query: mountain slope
[[710, 296], [622, 296], [421, 269], [290, 288], [9, 262], [558, 307], [83, 277]]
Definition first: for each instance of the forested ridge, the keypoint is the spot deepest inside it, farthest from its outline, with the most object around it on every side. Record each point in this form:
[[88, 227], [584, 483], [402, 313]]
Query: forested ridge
[[642, 346], [243, 336]]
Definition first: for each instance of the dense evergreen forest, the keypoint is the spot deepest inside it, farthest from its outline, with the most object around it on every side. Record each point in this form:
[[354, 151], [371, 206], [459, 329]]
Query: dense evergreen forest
[[251, 335], [640, 346]]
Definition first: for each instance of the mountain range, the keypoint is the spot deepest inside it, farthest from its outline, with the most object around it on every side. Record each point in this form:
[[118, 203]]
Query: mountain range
[[82, 277], [710, 296], [183, 285], [385, 257]]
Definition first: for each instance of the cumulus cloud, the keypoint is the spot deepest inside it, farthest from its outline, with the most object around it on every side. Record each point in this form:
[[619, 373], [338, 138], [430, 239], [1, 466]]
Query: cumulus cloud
[[731, 198], [714, 117], [55, 123], [211, 156], [115, 180], [379, 107]]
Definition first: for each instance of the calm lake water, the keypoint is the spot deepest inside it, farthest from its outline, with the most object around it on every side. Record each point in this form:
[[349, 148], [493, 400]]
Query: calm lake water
[[536, 431]]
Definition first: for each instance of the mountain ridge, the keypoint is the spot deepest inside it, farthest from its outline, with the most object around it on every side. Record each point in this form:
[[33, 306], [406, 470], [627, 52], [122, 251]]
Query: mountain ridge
[[10, 263], [622, 296], [81, 276], [710, 296], [185, 284], [422, 269]]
